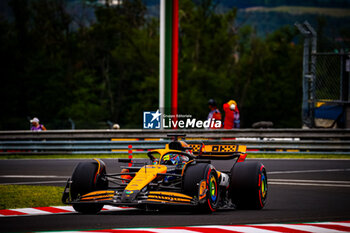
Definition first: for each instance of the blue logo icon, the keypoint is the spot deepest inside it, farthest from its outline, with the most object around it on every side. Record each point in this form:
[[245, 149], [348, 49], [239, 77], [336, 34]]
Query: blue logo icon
[[151, 120]]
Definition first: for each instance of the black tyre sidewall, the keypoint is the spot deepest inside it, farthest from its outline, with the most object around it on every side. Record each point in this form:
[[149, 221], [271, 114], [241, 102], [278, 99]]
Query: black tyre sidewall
[[85, 180], [192, 177], [212, 204], [245, 185]]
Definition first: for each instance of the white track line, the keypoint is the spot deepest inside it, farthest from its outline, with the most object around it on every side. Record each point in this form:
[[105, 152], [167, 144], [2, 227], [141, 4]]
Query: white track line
[[310, 171], [309, 184], [312, 181], [319, 183], [36, 182]]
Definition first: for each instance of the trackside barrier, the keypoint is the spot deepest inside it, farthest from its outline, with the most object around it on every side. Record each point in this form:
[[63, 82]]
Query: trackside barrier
[[130, 155], [321, 141]]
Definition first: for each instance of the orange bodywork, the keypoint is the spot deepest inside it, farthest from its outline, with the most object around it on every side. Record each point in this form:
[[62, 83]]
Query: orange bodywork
[[144, 176]]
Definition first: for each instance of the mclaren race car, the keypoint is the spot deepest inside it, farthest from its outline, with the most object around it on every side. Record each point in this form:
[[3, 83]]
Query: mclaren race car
[[179, 175]]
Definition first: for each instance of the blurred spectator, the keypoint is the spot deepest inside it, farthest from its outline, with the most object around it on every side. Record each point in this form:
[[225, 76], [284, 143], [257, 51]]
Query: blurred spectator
[[36, 126], [231, 115], [116, 126], [214, 112]]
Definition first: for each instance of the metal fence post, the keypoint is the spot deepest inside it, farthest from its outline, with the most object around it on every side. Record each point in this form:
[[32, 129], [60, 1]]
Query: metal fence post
[[309, 73], [344, 75], [312, 71]]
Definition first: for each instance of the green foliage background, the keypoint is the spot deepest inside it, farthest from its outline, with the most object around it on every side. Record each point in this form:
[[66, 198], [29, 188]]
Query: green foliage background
[[108, 70]]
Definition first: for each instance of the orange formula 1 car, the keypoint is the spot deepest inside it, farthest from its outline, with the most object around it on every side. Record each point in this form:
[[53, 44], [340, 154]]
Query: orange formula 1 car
[[179, 175]]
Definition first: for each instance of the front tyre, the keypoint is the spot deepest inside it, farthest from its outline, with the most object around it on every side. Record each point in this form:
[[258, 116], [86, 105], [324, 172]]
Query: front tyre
[[213, 190], [196, 173], [248, 186], [88, 177]]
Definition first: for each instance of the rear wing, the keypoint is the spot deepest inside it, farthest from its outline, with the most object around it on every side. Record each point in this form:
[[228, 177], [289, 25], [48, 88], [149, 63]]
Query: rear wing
[[218, 151]]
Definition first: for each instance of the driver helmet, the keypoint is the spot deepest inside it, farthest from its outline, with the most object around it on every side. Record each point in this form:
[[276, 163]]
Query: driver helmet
[[174, 159], [171, 159]]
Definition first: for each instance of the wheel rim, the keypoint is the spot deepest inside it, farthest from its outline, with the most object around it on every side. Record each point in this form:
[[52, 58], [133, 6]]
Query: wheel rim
[[213, 188], [263, 186]]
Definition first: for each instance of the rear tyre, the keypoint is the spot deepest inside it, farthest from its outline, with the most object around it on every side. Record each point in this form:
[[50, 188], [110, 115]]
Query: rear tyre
[[84, 180], [192, 177], [248, 186]]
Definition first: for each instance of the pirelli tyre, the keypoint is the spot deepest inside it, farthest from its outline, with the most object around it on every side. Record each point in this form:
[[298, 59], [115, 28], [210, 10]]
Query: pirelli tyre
[[87, 177], [248, 185], [206, 173]]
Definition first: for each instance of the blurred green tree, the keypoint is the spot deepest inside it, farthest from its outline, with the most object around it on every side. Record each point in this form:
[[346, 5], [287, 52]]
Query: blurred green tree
[[108, 70]]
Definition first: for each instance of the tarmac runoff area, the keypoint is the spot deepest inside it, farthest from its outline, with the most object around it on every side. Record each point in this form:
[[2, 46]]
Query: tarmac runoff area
[[300, 191]]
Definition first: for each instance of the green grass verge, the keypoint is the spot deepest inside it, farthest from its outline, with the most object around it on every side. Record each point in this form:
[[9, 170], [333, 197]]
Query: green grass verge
[[22, 196]]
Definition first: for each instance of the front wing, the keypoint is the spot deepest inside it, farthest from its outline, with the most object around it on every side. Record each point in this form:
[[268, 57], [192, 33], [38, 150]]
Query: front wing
[[112, 197]]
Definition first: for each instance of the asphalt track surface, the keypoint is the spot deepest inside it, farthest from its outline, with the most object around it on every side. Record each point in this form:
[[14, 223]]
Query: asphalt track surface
[[299, 191]]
